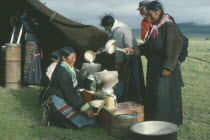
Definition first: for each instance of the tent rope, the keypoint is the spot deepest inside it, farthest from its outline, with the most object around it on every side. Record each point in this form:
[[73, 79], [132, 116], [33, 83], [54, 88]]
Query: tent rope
[[199, 59], [52, 16]]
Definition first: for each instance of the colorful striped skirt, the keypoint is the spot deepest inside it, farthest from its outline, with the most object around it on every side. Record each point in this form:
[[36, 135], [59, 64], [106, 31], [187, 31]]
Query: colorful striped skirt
[[32, 66], [80, 119]]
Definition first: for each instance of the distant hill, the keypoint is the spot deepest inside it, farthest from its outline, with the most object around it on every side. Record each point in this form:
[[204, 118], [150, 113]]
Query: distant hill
[[188, 29], [193, 28]]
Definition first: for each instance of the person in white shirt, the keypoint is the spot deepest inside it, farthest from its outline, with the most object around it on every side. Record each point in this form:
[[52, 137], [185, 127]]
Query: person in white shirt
[[51, 68], [45, 81]]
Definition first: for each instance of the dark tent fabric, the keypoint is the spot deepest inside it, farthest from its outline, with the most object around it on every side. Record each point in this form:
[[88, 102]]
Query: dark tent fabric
[[55, 31]]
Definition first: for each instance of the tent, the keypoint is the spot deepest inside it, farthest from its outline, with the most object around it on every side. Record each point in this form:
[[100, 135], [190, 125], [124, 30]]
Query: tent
[[56, 31]]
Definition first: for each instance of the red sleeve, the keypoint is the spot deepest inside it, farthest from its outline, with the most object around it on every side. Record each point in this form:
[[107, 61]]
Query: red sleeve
[[145, 25]]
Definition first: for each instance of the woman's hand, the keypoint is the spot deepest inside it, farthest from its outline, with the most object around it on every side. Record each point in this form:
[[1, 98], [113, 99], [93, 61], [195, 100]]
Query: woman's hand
[[129, 51], [90, 113], [100, 50], [166, 72]]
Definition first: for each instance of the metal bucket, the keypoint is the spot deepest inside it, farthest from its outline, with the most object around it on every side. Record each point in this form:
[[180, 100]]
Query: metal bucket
[[121, 122], [13, 66], [155, 130]]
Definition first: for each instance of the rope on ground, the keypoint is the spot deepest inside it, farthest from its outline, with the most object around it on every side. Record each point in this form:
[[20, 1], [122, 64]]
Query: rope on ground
[[199, 59]]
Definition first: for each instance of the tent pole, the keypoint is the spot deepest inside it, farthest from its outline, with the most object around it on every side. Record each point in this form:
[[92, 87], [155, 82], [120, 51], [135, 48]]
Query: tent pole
[[12, 37], [20, 33]]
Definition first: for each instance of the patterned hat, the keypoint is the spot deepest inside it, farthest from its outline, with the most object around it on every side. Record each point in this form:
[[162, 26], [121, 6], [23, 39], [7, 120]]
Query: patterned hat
[[143, 4]]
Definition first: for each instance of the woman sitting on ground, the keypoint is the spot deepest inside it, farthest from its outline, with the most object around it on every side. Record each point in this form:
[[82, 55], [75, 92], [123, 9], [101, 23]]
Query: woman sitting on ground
[[66, 104]]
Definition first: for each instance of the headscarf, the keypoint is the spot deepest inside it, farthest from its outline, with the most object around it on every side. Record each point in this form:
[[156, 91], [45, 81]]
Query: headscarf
[[65, 51], [154, 29], [71, 72]]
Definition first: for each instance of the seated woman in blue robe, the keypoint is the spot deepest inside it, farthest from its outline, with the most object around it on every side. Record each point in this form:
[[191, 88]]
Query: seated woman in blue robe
[[67, 107]]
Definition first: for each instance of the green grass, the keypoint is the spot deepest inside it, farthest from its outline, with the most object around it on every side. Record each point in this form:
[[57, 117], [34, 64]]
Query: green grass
[[18, 108], [196, 94]]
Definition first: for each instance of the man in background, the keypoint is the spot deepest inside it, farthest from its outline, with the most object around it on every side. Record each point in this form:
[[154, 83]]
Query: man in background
[[145, 23]]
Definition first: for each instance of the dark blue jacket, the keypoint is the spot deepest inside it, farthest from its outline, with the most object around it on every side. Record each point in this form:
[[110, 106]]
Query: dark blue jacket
[[31, 29]]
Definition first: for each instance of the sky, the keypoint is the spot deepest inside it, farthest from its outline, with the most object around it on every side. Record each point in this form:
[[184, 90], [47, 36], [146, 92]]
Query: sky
[[91, 11]]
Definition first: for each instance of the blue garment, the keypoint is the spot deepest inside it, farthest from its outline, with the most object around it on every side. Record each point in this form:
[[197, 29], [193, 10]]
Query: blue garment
[[136, 83], [32, 66], [80, 119], [131, 80], [120, 86]]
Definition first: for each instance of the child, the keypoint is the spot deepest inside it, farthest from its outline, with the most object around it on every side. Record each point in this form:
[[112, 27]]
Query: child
[[146, 23], [46, 78], [54, 57]]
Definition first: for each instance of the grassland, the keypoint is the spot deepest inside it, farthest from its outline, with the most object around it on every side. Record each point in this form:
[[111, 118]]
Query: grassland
[[19, 108]]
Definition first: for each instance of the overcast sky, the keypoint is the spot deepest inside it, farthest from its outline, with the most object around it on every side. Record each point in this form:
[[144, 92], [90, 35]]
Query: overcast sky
[[90, 11]]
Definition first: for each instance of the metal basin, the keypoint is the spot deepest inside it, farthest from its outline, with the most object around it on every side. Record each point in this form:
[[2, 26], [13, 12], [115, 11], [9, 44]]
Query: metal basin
[[155, 130]]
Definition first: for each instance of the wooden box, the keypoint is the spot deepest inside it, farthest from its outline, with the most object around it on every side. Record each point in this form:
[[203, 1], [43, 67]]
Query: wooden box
[[90, 95], [105, 115], [132, 106], [104, 118]]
